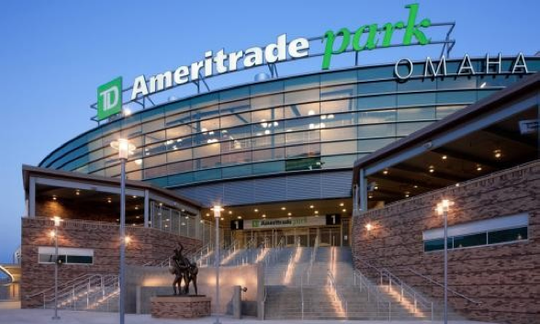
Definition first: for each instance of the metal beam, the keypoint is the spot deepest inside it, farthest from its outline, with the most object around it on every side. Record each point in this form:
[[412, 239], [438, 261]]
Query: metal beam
[[408, 181]]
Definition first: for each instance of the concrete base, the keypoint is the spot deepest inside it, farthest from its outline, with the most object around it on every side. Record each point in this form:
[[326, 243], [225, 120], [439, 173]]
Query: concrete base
[[180, 306]]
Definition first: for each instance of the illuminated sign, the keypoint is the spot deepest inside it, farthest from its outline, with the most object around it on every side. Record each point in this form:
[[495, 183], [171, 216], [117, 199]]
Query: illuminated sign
[[109, 100], [335, 43]]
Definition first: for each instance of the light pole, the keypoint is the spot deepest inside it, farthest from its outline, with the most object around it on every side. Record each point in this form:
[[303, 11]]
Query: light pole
[[442, 210], [124, 149], [217, 216], [57, 221]]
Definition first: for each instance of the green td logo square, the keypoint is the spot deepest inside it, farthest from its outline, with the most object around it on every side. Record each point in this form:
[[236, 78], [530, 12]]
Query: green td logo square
[[109, 98]]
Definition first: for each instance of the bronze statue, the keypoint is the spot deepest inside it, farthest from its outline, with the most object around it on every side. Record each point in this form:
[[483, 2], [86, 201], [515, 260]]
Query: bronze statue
[[184, 270]]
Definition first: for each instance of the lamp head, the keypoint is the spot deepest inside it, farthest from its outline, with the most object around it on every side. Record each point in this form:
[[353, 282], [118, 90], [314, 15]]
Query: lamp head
[[217, 211], [124, 148], [56, 220]]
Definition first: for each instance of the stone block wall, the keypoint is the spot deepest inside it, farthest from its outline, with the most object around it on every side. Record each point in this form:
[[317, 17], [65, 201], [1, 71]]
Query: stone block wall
[[146, 245], [505, 278]]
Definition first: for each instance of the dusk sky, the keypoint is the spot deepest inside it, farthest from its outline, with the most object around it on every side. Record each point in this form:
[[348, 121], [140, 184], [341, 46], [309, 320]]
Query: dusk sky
[[54, 55]]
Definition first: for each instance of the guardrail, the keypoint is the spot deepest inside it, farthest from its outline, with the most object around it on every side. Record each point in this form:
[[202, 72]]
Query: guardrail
[[338, 296]]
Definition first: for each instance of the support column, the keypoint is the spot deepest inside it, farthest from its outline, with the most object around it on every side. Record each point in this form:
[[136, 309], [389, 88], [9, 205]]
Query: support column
[[363, 191], [146, 208], [32, 197]]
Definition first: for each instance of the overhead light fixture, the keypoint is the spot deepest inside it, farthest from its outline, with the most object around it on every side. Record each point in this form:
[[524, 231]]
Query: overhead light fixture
[[385, 172], [136, 207], [263, 215], [316, 212], [239, 217], [444, 157], [109, 200], [289, 217], [230, 212], [407, 194], [344, 210], [431, 169], [370, 196], [77, 192], [497, 153], [54, 197], [483, 85], [289, 213], [256, 210], [283, 208], [415, 186], [341, 204], [311, 206], [478, 167], [207, 214]]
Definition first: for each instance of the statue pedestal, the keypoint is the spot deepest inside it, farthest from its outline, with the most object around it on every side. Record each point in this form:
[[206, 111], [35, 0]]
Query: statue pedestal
[[180, 306]]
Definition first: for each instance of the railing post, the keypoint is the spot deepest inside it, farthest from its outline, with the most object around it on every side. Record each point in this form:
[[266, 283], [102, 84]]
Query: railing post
[[401, 297], [44, 301], [389, 311], [73, 297], [88, 295], [432, 311]]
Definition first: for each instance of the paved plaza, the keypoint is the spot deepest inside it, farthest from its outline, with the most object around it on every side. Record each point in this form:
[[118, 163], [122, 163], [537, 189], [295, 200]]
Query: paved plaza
[[10, 313]]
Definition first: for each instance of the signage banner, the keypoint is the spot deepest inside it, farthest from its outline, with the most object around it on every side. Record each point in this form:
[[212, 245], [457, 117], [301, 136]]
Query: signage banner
[[284, 222], [109, 99], [529, 126]]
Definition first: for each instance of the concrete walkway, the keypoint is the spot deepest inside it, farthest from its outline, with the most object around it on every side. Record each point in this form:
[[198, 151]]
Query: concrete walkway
[[43, 316]]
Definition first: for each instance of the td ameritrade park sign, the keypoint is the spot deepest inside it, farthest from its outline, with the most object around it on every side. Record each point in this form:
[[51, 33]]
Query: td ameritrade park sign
[[366, 37]]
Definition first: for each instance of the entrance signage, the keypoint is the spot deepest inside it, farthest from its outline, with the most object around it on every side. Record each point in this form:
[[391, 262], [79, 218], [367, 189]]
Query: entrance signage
[[335, 43], [109, 100], [282, 222]]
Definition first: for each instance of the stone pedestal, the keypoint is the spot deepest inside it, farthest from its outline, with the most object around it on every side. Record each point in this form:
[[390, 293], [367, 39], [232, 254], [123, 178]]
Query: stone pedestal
[[180, 306]]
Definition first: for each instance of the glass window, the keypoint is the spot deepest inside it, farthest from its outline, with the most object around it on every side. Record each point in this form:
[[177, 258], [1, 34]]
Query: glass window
[[377, 87], [154, 125], [417, 85], [134, 175], [206, 150], [343, 133], [175, 107], [266, 115], [180, 167], [336, 106], [204, 100], [365, 103], [338, 92], [469, 240], [373, 117], [180, 179], [272, 154], [178, 119], [155, 160], [302, 123], [155, 149], [155, 172], [234, 94], [456, 97], [179, 155], [404, 129], [206, 137], [238, 171], [236, 133], [235, 145], [209, 124], [443, 111], [303, 82], [414, 99], [131, 132], [338, 120], [302, 137], [339, 161], [374, 144], [269, 167], [97, 144], [267, 101], [296, 97], [266, 88], [236, 158], [380, 130], [303, 164], [338, 78], [294, 111], [154, 137], [235, 120], [95, 155], [234, 107], [371, 73], [303, 150], [211, 162], [508, 235], [207, 175], [416, 113], [462, 82], [177, 132], [438, 244], [268, 141], [338, 147]]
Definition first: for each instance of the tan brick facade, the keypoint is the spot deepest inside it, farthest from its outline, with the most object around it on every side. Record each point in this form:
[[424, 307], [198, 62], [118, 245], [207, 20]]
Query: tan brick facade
[[146, 245], [505, 278], [180, 307]]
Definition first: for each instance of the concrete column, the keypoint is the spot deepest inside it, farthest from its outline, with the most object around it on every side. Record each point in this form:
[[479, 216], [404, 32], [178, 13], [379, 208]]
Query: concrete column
[[237, 302], [363, 191], [32, 197], [146, 207]]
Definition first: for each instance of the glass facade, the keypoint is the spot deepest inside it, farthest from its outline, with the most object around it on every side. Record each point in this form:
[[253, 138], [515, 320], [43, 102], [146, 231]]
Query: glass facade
[[321, 121]]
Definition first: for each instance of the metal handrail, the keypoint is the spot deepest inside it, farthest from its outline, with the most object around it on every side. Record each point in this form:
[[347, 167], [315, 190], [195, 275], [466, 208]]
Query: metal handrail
[[337, 293], [312, 259], [63, 284], [302, 293], [442, 286], [403, 289], [373, 294]]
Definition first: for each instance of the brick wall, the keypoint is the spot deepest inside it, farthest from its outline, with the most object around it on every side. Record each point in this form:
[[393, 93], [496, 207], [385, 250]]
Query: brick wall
[[146, 245], [505, 278]]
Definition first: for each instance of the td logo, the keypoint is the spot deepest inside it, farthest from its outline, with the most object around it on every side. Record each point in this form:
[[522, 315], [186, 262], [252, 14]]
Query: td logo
[[109, 98]]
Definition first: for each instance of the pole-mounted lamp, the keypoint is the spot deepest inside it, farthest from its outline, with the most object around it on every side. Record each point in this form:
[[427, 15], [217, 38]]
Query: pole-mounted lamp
[[442, 209], [217, 216], [57, 221], [124, 148]]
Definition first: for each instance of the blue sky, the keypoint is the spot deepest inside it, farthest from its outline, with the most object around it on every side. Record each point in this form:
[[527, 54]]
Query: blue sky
[[54, 54]]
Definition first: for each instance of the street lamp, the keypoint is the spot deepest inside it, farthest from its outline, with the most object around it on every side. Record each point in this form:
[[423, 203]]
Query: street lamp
[[442, 210], [217, 216], [124, 148], [57, 221]]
